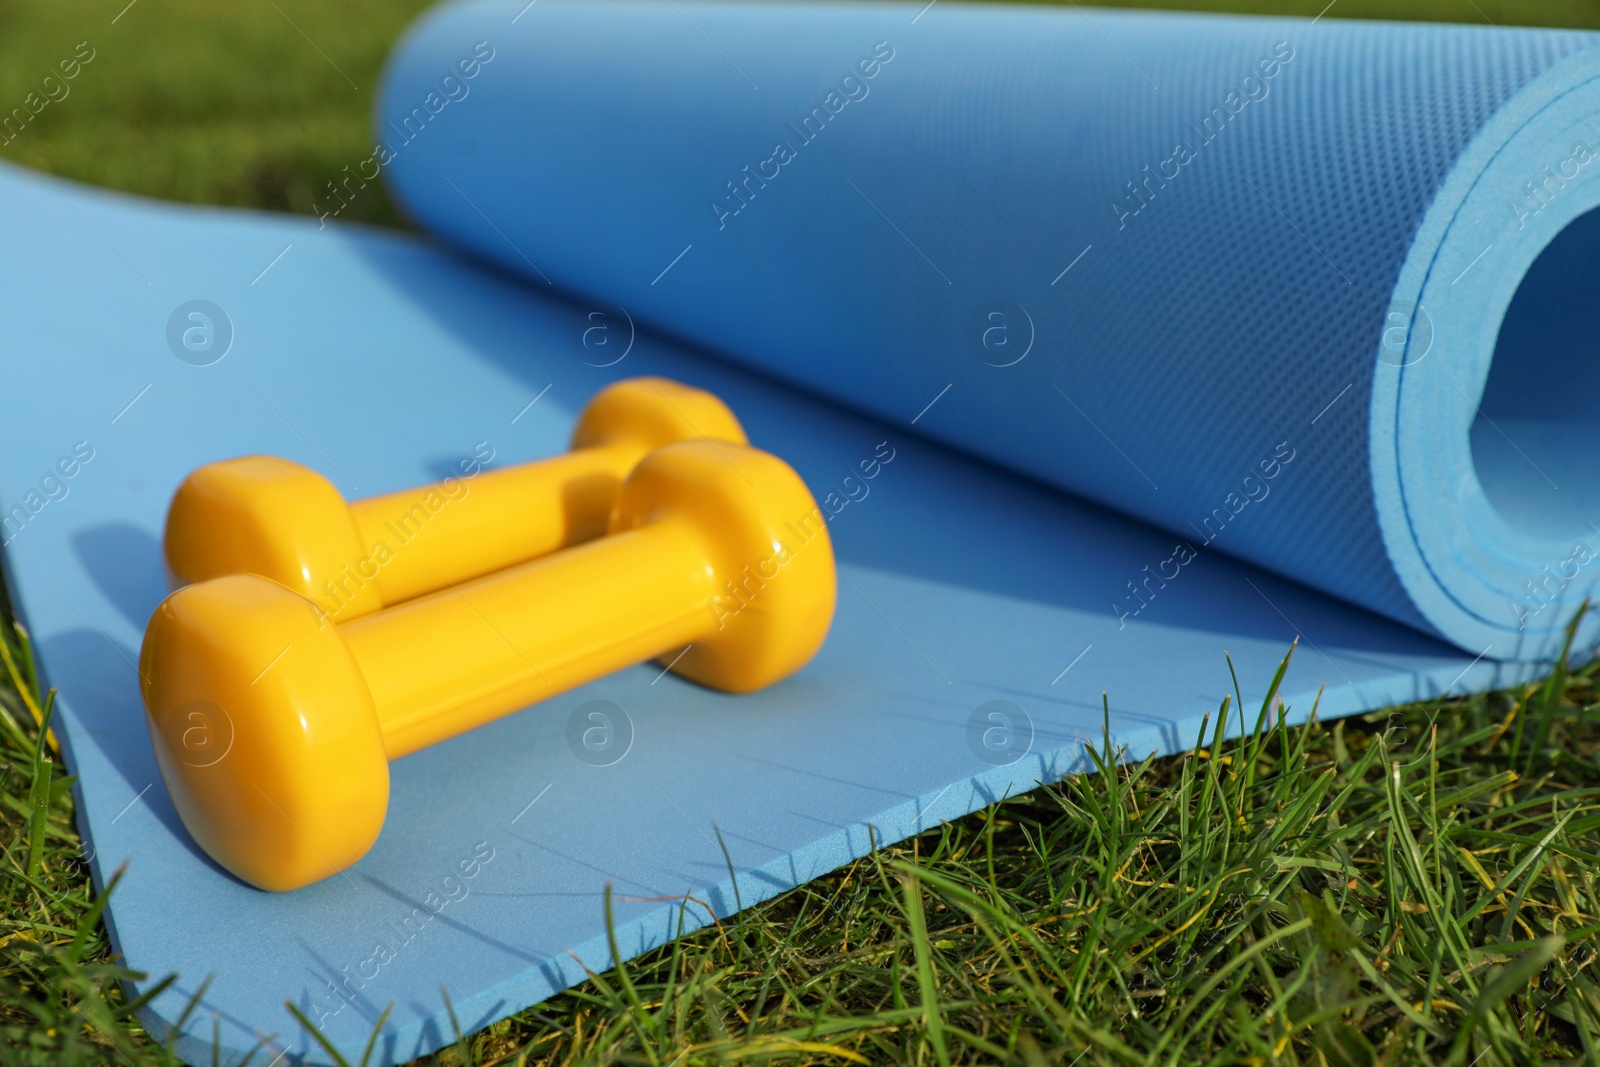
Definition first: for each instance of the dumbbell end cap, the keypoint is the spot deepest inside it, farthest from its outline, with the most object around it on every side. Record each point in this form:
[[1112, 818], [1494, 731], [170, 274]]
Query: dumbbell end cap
[[264, 731], [775, 584], [268, 516], [650, 412]]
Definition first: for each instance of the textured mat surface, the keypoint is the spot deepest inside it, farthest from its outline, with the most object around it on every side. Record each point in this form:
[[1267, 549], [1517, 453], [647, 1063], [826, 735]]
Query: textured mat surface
[[967, 592], [1141, 249]]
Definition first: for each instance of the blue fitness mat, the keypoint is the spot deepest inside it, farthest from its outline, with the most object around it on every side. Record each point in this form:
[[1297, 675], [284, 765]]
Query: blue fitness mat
[[1229, 419]]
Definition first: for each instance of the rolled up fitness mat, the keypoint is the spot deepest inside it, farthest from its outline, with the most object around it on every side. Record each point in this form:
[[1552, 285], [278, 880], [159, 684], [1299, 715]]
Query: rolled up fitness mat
[[1142, 257], [976, 310]]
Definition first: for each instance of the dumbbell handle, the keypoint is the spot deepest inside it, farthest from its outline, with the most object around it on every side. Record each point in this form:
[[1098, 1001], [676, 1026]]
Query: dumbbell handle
[[445, 663], [515, 514], [268, 516]]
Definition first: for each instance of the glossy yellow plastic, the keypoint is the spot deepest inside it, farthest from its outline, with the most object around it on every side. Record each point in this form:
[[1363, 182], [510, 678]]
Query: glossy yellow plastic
[[268, 516], [713, 547]]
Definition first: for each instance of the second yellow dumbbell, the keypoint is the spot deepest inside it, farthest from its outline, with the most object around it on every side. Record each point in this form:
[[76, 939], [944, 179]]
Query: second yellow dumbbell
[[268, 516]]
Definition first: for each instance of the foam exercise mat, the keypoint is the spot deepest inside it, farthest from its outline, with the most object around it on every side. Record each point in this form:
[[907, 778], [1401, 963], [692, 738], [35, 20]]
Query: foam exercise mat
[[1295, 385]]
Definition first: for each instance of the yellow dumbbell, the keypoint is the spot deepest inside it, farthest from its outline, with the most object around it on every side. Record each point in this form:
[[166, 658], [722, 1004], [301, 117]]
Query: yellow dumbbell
[[268, 516], [717, 548]]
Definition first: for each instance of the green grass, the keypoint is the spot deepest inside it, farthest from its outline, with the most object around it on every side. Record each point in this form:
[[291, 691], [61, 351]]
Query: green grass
[[255, 104], [1414, 886]]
